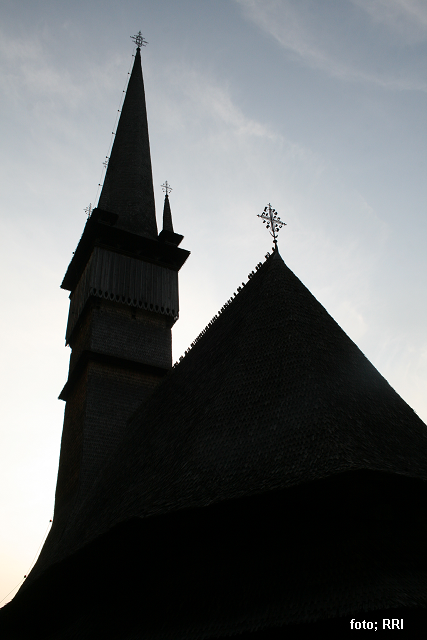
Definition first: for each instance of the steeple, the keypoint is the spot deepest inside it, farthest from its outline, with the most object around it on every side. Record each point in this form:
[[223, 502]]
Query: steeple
[[128, 185], [123, 283]]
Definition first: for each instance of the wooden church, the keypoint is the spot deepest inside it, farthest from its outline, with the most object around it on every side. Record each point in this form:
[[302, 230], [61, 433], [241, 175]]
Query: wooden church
[[271, 482]]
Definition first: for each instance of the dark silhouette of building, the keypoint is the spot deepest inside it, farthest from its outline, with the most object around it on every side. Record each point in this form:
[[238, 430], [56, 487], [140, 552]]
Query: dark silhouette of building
[[272, 481], [123, 281]]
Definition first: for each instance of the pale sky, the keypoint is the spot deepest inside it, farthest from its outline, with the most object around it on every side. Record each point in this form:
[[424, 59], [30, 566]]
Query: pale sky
[[317, 106]]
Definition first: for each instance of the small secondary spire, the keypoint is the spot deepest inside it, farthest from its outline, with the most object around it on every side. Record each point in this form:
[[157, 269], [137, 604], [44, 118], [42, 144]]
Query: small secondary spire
[[274, 223], [167, 214]]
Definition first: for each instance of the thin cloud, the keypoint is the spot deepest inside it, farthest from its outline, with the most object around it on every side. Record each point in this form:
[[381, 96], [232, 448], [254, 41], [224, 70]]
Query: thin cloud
[[309, 35], [201, 102], [28, 69], [25, 67], [405, 18], [214, 101]]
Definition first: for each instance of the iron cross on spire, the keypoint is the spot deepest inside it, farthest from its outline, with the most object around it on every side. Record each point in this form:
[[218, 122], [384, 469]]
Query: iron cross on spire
[[139, 40], [166, 187], [273, 222]]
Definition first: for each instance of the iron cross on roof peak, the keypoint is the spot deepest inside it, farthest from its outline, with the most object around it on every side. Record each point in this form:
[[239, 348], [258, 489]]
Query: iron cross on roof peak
[[139, 40], [273, 222], [166, 187]]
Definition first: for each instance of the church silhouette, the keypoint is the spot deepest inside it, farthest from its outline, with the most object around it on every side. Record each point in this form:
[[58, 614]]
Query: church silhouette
[[270, 482]]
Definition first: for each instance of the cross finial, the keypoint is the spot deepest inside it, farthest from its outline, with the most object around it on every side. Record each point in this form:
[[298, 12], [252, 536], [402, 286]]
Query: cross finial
[[139, 40], [166, 187], [269, 216]]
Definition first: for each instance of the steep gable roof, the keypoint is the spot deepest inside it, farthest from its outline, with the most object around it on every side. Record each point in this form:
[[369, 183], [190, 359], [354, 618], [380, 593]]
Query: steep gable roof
[[273, 394]]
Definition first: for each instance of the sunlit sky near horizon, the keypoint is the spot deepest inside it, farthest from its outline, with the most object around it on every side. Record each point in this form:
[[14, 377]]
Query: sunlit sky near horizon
[[317, 106]]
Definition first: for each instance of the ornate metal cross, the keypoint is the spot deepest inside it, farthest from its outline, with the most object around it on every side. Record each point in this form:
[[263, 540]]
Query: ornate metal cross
[[139, 40], [273, 222], [166, 187]]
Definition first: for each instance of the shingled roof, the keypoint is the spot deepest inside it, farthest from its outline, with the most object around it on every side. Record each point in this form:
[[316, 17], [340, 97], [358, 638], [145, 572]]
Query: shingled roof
[[273, 394], [274, 410]]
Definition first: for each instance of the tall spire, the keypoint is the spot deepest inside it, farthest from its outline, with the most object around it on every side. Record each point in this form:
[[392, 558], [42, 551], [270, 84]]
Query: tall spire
[[128, 185]]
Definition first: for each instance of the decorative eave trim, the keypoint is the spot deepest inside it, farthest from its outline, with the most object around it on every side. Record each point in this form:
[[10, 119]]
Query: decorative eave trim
[[100, 230], [119, 278]]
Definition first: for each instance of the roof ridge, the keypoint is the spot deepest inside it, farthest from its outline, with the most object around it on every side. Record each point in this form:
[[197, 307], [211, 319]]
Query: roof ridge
[[252, 274]]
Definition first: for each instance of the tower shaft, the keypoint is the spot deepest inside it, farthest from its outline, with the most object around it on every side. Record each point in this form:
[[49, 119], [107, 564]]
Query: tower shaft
[[123, 283]]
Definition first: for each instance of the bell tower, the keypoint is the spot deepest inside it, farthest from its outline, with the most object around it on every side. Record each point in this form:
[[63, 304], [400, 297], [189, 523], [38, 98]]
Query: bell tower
[[123, 283]]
